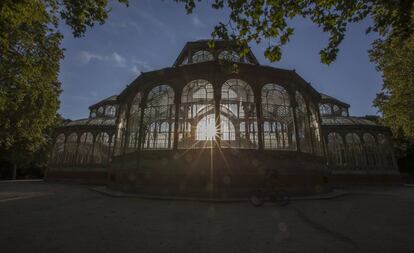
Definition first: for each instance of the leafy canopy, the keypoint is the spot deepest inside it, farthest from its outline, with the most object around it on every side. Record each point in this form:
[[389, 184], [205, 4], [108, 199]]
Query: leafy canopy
[[395, 58], [30, 53], [268, 20]]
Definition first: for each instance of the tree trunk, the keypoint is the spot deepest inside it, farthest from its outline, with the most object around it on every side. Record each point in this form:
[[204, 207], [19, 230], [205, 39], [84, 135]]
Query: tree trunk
[[14, 175]]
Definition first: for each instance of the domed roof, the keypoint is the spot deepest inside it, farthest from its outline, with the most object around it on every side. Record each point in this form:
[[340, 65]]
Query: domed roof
[[329, 99], [107, 101], [211, 64], [227, 50]]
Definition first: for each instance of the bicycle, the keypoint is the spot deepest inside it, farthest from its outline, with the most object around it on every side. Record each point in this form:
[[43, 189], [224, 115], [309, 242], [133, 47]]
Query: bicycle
[[269, 191]]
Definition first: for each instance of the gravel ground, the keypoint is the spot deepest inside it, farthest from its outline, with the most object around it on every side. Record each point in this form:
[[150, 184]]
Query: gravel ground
[[51, 217]]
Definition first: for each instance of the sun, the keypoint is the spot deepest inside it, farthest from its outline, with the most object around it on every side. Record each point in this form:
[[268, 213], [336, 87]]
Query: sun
[[206, 128], [210, 131]]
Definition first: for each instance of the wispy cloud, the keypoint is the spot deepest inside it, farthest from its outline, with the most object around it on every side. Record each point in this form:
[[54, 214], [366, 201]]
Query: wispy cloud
[[142, 63], [196, 21], [135, 70], [139, 66], [150, 18], [119, 59], [135, 65], [85, 57], [160, 26], [126, 24]]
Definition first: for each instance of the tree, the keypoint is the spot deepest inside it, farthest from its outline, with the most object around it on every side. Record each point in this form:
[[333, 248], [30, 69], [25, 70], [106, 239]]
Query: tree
[[30, 52], [404, 151], [393, 51], [395, 59], [265, 20]]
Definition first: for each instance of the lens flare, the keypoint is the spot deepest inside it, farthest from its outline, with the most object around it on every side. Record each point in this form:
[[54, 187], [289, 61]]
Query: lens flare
[[206, 128]]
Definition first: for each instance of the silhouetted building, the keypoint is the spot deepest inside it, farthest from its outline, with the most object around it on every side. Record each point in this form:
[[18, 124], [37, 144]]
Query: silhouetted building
[[213, 124]]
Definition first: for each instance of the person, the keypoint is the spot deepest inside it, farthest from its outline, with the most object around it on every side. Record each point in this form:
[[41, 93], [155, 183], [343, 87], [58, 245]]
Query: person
[[271, 189], [273, 177]]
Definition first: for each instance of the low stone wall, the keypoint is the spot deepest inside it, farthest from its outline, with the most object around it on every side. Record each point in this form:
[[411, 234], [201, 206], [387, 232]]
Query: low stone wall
[[218, 173], [215, 173], [88, 175], [374, 177]]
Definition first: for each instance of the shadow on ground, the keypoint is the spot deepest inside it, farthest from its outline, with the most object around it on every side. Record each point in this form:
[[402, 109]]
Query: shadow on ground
[[51, 217]]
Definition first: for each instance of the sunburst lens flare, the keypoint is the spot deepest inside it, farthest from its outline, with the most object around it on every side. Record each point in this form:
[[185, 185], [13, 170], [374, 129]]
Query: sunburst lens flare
[[211, 131], [206, 129]]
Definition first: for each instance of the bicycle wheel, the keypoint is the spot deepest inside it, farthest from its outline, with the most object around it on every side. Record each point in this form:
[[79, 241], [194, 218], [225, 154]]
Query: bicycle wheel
[[281, 198], [257, 198]]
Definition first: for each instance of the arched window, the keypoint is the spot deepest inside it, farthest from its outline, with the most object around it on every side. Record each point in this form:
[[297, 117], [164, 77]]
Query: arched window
[[133, 124], [110, 111], [315, 130], [355, 154], [278, 127], [111, 147], [202, 56], [100, 111], [302, 123], [336, 110], [70, 148], [59, 149], [229, 56], [197, 124], [85, 148], [370, 150], [159, 118], [336, 152], [185, 61], [229, 132], [205, 131], [237, 114], [120, 131], [325, 109], [93, 114], [101, 151], [385, 152]]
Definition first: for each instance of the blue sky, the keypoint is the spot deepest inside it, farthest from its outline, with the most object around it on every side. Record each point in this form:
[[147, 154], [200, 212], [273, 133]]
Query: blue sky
[[149, 35]]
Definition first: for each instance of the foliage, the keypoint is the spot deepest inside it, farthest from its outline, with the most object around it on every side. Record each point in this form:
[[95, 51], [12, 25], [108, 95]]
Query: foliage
[[29, 70], [395, 58], [32, 164], [404, 151], [257, 20], [81, 14], [30, 54]]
